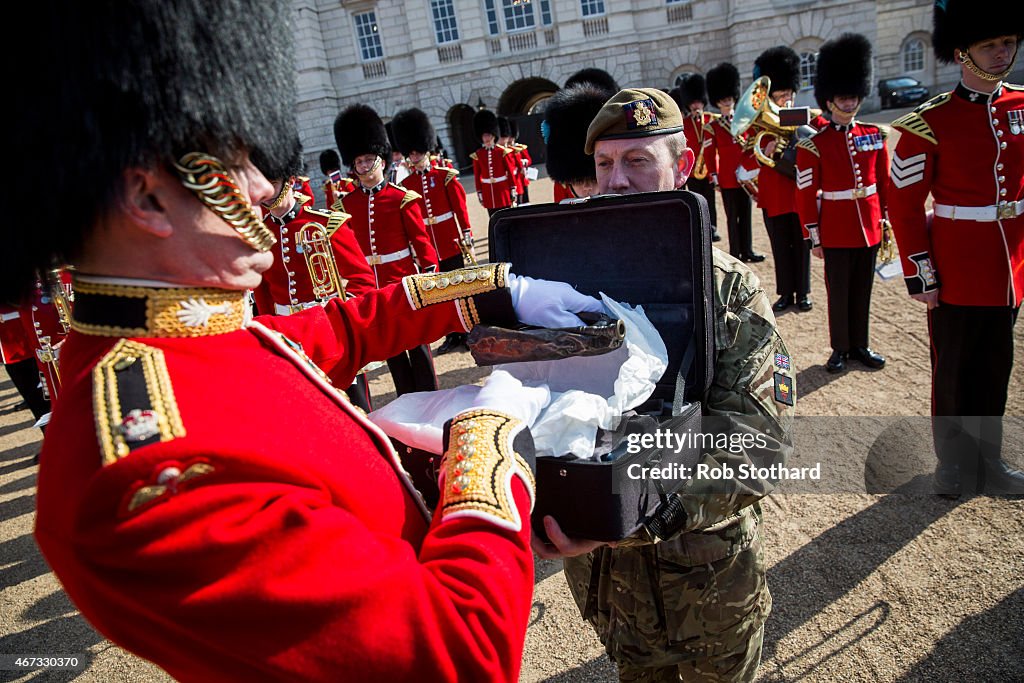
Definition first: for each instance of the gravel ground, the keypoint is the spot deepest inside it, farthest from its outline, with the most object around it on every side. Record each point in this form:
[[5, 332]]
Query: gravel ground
[[874, 580]]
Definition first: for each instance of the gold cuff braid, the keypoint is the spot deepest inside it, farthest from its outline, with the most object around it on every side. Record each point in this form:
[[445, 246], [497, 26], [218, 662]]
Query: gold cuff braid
[[428, 289], [479, 466]]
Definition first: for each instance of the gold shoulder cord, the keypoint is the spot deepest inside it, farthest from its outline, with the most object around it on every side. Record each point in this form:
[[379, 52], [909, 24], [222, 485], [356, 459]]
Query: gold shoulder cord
[[210, 181], [478, 468]]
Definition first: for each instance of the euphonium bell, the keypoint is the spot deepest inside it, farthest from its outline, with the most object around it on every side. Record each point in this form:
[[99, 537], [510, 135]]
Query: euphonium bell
[[315, 242]]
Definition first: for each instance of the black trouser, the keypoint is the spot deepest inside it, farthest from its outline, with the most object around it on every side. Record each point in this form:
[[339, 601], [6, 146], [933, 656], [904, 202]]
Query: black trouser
[[413, 370], [525, 198], [359, 393], [849, 274], [972, 357], [706, 190], [792, 254], [736, 203], [25, 376]]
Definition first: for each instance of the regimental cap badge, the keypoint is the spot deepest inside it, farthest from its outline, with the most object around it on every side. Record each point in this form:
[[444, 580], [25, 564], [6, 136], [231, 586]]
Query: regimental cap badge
[[640, 114]]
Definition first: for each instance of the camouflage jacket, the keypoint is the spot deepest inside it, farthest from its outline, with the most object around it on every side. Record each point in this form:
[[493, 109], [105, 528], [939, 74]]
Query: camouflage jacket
[[660, 602]]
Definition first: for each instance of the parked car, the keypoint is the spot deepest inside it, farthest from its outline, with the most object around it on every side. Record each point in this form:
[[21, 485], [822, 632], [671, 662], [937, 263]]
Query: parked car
[[899, 92]]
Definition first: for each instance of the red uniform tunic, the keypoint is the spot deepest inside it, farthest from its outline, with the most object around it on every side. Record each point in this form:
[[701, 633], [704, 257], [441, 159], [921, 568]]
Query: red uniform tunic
[[302, 186], [442, 200], [237, 520], [973, 252], [850, 166], [723, 155], [525, 161], [698, 136], [336, 186], [388, 225], [287, 286], [563, 191], [494, 172], [776, 193], [45, 335], [15, 345]]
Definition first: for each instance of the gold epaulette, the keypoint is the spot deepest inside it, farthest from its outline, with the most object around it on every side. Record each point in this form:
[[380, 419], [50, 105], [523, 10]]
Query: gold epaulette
[[133, 400], [335, 219], [1014, 86], [410, 196], [338, 205], [506, 150], [452, 175], [519, 146], [303, 178], [473, 156], [301, 199], [915, 123], [809, 145]]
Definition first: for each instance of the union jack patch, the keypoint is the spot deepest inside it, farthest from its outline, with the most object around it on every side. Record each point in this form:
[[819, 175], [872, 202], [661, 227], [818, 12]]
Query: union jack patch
[[782, 361]]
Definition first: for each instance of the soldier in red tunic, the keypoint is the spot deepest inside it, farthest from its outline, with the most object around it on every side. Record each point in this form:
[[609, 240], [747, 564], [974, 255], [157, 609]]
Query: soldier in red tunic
[[337, 184], [525, 160], [567, 116], [388, 224], [966, 149], [723, 156], [692, 97], [310, 244], [206, 498], [494, 167], [847, 162], [442, 199]]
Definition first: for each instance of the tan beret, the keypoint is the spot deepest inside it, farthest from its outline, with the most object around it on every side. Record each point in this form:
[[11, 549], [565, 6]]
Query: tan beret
[[635, 113]]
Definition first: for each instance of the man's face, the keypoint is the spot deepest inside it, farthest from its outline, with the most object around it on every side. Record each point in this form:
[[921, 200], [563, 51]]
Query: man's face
[[631, 165], [725, 105], [369, 168], [206, 251], [844, 108], [994, 55], [289, 197], [782, 98], [416, 157], [696, 107], [487, 139], [585, 188]]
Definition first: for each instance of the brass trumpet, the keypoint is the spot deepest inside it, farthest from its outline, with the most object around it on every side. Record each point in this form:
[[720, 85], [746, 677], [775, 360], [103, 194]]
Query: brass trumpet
[[315, 241], [465, 244], [62, 298]]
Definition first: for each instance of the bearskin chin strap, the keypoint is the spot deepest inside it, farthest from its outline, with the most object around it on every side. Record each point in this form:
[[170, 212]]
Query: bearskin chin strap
[[208, 179], [484, 451], [279, 199], [966, 60]]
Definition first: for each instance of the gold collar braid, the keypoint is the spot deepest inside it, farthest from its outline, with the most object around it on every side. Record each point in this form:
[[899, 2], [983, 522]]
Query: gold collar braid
[[210, 181]]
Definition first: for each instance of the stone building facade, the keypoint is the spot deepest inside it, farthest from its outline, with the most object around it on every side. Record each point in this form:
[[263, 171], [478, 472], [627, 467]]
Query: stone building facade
[[451, 57]]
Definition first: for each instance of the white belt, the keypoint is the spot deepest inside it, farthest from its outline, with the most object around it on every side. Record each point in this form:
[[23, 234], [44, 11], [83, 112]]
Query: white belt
[[434, 220], [280, 309], [377, 259], [1000, 211], [856, 193], [491, 181]]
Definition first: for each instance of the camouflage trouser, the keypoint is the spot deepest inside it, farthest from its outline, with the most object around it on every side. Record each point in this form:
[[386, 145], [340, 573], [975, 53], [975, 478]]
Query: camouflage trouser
[[697, 602], [727, 668]]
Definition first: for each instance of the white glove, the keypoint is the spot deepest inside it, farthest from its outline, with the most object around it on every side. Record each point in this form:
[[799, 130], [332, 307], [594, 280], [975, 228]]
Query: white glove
[[506, 394], [546, 303]]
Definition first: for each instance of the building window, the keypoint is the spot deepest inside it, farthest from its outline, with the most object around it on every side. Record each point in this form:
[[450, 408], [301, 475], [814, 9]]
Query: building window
[[518, 14], [808, 68], [446, 29], [368, 36], [545, 12], [492, 17], [913, 55], [676, 2], [592, 8]]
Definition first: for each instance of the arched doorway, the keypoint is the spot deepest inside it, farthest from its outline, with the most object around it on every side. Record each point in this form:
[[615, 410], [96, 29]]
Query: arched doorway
[[464, 142], [521, 102]]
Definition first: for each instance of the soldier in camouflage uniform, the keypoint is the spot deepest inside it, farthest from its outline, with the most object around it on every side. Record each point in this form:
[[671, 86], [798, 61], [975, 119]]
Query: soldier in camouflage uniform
[[691, 607]]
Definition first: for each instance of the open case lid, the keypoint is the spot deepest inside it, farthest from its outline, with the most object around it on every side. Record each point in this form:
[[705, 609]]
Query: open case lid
[[651, 249]]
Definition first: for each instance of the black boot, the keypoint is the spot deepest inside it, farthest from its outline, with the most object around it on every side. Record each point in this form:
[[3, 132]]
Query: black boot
[[1001, 479], [805, 304], [836, 362], [873, 360], [784, 302], [452, 342]]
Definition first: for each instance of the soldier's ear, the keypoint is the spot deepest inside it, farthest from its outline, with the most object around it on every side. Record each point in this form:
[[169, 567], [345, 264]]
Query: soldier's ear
[[145, 199], [684, 167]]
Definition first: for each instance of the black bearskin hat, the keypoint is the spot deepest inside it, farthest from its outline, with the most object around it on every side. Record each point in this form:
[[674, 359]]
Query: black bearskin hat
[[780, 64], [135, 85], [485, 121], [567, 116], [329, 161], [504, 127], [596, 77], [513, 128], [277, 169], [413, 132], [960, 24], [692, 89], [844, 68], [357, 131], [723, 81]]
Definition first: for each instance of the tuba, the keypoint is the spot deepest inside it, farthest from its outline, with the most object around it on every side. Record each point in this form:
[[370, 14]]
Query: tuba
[[757, 118], [315, 241]]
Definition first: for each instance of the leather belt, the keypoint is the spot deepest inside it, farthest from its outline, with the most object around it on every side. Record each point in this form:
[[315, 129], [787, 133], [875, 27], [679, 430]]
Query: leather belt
[[855, 193], [377, 259], [1000, 211], [434, 220], [491, 181]]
